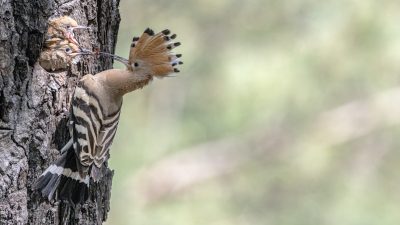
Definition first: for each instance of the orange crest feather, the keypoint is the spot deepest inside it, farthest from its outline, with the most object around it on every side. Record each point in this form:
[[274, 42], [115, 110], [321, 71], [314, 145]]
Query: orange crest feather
[[152, 52]]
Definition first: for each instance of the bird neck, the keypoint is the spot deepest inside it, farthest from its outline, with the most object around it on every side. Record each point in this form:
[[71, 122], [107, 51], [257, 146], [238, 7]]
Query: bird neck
[[119, 82]]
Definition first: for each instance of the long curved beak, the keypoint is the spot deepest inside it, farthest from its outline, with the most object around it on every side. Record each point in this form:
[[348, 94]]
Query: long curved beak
[[79, 27], [82, 51], [85, 51], [118, 58]]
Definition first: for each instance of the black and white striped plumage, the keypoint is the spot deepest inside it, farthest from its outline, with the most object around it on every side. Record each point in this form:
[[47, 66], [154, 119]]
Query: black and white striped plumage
[[95, 111], [92, 129]]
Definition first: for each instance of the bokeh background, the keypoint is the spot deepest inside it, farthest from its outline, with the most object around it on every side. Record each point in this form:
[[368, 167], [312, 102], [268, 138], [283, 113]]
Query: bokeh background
[[285, 112]]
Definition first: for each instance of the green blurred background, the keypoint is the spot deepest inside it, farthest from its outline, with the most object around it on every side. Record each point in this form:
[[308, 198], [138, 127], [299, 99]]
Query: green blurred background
[[285, 112]]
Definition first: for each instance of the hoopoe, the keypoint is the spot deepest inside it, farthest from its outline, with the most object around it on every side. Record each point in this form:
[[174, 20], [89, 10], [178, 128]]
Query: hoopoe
[[60, 56], [61, 28], [94, 115], [60, 45]]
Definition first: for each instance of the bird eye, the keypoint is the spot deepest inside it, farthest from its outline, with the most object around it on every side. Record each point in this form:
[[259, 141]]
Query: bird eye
[[68, 26], [68, 50]]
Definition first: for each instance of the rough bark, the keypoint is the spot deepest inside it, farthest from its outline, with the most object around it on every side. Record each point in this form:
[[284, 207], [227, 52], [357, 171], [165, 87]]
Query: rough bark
[[34, 106]]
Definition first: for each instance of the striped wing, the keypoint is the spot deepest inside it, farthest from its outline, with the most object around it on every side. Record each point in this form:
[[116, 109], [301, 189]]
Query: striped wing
[[91, 130], [106, 137]]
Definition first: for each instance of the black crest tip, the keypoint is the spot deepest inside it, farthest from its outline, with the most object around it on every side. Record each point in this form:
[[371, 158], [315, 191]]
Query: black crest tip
[[173, 36], [135, 39], [149, 31], [176, 70], [176, 44], [166, 32]]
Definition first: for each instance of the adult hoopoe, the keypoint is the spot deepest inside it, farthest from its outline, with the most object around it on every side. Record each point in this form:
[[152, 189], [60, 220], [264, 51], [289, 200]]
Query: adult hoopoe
[[95, 111]]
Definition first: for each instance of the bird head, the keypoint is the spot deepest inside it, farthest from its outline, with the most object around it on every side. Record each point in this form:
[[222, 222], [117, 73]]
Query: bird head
[[63, 27], [60, 56], [151, 53]]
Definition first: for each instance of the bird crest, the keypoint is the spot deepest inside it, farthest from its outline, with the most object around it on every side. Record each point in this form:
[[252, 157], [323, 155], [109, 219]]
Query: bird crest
[[152, 53]]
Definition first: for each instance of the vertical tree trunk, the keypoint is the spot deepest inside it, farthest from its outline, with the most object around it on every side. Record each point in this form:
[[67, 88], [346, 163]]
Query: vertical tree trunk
[[34, 106]]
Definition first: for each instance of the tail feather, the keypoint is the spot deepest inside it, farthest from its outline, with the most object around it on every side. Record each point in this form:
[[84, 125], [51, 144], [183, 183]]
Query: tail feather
[[152, 53], [45, 184], [74, 191], [63, 177]]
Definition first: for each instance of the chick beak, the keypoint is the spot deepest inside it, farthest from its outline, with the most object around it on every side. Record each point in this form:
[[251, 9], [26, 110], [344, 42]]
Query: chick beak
[[71, 36]]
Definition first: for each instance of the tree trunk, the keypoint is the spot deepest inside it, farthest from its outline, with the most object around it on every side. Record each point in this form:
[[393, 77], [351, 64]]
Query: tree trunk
[[34, 106]]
